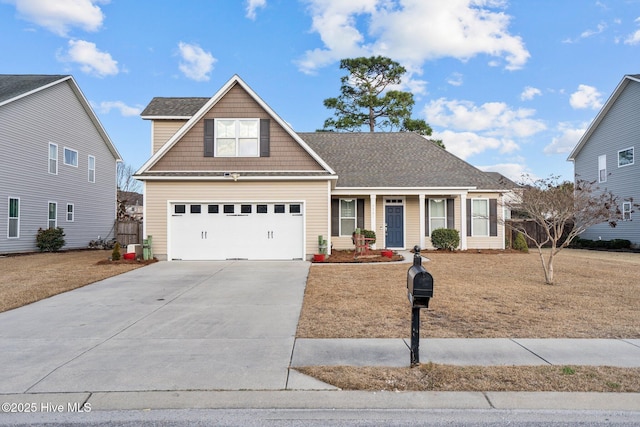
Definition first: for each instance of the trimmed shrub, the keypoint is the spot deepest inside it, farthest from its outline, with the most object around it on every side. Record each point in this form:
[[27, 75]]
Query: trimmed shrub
[[520, 243], [601, 244], [50, 240], [115, 254], [445, 238]]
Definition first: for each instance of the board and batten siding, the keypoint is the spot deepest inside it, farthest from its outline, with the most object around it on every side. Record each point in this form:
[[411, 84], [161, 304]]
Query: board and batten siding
[[158, 195], [618, 130], [27, 126], [162, 131]]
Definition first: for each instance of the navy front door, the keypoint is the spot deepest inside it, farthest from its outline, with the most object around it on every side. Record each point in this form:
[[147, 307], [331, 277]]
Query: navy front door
[[393, 217]]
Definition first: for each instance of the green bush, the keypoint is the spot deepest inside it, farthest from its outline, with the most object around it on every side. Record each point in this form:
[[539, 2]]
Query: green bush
[[445, 238], [601, 244], [115, 254], [520, 243], [50, 240]]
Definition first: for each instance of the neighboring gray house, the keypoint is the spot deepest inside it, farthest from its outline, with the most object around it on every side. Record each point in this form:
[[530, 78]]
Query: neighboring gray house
[[59, 165], [606, 154]]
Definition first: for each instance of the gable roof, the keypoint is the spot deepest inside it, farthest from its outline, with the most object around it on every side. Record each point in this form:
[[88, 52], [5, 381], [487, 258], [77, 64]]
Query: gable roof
[[603, 112], [395, 160], [17, 86], [171, 106]]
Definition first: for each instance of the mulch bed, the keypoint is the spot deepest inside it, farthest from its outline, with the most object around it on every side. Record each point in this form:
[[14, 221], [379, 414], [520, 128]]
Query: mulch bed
[[348, 256]]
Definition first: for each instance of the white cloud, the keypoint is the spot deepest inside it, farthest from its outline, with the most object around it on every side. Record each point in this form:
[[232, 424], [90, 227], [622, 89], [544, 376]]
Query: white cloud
[[105, 107], [586, 97], [589, 33], [566, 140], [455, 79], [412, 31], [633, 38], [196, 64], [492, 118], [529, 93], [252, 5], [513, 171], [467, 144], [91, 60], [59, 16]]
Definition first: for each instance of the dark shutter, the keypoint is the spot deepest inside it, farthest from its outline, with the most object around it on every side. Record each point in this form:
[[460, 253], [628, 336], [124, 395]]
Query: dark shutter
[[264, 138], [335, 217], [451, 214], [493, 217], [426, 217], [360, 213], [208, 137], [468, 217]]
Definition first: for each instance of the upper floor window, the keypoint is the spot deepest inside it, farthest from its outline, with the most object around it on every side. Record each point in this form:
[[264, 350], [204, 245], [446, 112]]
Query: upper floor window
[[237, 137], [602, 168], [92, 169], [625, 157], [53, 158], [70, 157], [14, 218], [480, 217]]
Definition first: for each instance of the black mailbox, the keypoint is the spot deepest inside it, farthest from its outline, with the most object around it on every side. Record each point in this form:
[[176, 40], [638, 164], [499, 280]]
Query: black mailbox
[[419, 283]]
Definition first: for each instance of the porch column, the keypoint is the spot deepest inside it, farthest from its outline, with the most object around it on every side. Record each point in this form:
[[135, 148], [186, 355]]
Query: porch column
[[421, 199], [463, 222], [374, 221]]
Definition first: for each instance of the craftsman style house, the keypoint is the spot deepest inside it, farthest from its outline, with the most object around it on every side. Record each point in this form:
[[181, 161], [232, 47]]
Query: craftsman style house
[[59, 165], [606, 154], [230, 179]]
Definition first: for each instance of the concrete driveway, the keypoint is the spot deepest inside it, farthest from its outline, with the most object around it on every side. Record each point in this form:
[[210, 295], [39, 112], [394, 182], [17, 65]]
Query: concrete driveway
[[168, 326]]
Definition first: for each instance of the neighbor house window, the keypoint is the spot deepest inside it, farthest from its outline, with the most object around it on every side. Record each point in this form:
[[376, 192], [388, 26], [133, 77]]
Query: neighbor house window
[[14, 218], [347, 217], [70, 210], [437, 214], [53, 214], [237, 137], [53, 158], [602, 168], [480, 217], [626, 211], [625, 157], [92, 169], [70, 157]]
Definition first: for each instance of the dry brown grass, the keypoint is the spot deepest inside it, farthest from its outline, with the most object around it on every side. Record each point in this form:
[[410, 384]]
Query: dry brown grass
[[433, 377], [480, 295], [29, 278]]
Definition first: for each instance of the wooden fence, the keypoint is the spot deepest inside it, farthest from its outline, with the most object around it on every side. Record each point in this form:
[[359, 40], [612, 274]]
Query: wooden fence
[[533, 229], [129, 232]]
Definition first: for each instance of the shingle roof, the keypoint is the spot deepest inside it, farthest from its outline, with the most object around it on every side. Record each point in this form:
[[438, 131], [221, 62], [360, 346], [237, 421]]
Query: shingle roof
[[396, 159], [13, 85], [173, 107]]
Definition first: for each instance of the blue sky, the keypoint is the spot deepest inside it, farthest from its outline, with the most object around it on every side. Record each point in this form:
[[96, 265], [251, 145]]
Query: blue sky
[[509, 86]]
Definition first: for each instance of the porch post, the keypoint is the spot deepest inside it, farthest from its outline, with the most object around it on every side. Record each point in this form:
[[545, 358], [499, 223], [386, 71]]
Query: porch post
[[374, 222], [421, 199], [463, 222]]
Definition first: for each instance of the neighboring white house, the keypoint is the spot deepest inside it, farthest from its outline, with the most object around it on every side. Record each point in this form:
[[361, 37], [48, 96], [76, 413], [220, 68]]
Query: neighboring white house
[[59, 164], [606, 154]]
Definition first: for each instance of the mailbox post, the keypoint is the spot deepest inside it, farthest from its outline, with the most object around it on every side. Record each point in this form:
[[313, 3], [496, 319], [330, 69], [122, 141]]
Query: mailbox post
[[419, 292]]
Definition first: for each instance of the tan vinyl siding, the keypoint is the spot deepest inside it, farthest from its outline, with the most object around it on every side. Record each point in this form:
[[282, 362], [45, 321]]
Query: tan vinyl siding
[[285, 152], [412, 222], [314, 195], [488, 242], [163, 130]]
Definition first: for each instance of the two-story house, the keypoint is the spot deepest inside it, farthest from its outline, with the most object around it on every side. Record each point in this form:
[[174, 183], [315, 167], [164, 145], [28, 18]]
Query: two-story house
[[59, 164], [606, 155]]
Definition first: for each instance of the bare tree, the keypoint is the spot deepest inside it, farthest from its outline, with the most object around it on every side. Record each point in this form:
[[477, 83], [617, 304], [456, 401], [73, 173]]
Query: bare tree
[[127, 185], [554, 206]]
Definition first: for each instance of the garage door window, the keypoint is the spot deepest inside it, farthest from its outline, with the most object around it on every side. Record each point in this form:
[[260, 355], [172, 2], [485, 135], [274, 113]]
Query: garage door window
[[229, 209], [180, 209], [294, 209], [196, 209], [278, 209], [261, 209], [246, 209], [212, 209]]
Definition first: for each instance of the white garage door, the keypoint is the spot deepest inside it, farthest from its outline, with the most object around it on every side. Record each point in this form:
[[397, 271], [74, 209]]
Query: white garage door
[[219, 231]]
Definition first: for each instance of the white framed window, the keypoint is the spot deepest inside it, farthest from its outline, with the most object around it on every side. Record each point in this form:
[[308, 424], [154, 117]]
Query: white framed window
[[13, 232], [479, 217], [70, 212], [437, 214], [602, 168], [348, 210], [53, 215], [91, 162], [625, 157], [70, 157], [53, 158], [626, 211], [237, 137]]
